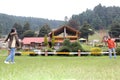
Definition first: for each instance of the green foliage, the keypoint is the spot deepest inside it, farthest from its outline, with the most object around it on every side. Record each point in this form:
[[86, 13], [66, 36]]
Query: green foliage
[[86, 30], [74, 24], [53, 40], [44, 30], [115, 29], [45, 40], [67, 42], [26, 27], [118, 50], [66, 46], [48, 49], [86, 48], [7, 21], [71, 46], [99, 17], [96, 51], [29, 33], [19, 29], [64, 49], [1, 29], [75, 46]]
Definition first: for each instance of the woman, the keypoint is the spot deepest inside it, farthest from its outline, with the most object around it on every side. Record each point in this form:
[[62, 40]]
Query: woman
[[12, 44]]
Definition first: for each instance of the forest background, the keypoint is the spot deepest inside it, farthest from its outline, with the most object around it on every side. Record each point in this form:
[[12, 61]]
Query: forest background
[[100, 18]]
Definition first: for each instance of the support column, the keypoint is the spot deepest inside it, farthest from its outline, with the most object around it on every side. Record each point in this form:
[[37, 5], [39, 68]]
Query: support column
[[79, 53]]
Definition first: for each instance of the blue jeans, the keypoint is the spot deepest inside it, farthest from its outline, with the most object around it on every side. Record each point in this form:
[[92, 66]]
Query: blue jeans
[[11, 55], [110, 52]]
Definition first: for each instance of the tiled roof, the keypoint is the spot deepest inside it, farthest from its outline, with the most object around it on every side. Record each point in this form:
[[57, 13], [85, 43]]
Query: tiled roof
[[28, 40]]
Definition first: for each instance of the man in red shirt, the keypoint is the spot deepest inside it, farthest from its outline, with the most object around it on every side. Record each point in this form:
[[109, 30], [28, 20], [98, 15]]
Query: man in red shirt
[[111, 45]]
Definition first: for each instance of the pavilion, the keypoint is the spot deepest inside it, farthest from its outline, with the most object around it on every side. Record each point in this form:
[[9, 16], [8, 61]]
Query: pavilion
[[64, 32]]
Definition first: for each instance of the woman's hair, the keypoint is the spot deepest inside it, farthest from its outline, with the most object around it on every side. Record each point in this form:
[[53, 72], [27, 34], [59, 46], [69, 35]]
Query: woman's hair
[[12, 30]]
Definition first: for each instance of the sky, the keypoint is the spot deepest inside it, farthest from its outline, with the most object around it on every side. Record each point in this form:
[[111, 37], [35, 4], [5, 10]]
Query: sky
[[51, 9]]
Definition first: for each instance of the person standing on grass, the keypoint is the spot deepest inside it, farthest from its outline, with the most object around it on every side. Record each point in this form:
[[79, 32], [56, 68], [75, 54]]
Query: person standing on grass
[[12, 44], [111, 46]]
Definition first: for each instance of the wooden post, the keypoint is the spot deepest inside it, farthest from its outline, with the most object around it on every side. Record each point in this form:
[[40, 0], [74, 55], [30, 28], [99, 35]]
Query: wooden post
[[79, 53], [46, 53]]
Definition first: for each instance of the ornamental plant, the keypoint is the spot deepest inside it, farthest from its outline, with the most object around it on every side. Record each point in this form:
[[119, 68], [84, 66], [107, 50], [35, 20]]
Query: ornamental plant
[[118, 50], [96, 51]]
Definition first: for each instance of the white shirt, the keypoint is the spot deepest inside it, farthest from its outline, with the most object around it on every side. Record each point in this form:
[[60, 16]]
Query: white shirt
[[13, 42]]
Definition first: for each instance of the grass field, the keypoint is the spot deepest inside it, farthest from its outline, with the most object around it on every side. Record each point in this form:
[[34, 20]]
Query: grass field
[[60, 68]]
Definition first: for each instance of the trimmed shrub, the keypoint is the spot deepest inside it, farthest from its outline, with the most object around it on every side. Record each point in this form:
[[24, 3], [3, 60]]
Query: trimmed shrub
[[67, 43], [118, 50], [75, 46], [96, 51], [64, 49]]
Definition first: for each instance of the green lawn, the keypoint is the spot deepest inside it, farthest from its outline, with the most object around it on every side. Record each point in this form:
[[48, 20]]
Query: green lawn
[[60, 68]]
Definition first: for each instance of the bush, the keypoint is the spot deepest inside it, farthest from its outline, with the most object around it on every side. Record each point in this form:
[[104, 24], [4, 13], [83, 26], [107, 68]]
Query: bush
[[118, 50], [17, 53], [75, 46], [96, 51], [64, 49], [33, 54], [67, 43], [48, 50]]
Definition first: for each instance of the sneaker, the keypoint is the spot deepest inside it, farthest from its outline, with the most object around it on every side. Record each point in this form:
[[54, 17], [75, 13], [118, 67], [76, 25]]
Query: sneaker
[[12, 62], [6, 62]]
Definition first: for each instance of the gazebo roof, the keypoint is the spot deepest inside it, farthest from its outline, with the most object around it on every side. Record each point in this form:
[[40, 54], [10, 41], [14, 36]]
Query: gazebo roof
[[69, 30]]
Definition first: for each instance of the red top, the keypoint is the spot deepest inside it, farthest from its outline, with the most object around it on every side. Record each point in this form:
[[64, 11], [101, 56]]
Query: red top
[[111, 43]]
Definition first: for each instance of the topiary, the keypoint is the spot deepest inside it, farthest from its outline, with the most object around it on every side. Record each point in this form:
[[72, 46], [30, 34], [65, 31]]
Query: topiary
[[75, 46], [96, 51], [67, 42], [64, 49]]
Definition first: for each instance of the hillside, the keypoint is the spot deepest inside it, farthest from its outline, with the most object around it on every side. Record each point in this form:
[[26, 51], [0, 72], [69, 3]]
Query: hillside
[[7, 21], [101, 17]]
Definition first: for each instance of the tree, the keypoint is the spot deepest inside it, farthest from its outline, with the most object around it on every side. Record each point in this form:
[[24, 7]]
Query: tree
[[53, 39], [19, 29], [67, 42], [66, 19], [115, 30], [29, 33], [26, 27], [86, 30], [74, 24], [75, 46], [44, 30], [45, 40], [0, 30]]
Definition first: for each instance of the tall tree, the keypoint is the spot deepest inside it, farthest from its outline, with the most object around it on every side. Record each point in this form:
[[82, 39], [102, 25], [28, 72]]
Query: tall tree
[[44, 30], [74, 24], [19, 29], [29, 33], [0, 30], [26, 27], [45, 40], [53, 39], [86, 30], [66, 20], [115, 29]]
